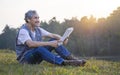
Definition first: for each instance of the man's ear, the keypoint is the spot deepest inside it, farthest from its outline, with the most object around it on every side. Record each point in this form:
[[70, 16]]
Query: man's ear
[[28, 20]]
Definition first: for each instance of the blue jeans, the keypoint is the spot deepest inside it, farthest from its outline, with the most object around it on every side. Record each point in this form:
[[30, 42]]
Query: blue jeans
[[38, 54]]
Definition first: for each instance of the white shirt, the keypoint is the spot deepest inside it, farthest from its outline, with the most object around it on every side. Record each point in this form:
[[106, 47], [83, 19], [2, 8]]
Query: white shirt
[[23, 35]]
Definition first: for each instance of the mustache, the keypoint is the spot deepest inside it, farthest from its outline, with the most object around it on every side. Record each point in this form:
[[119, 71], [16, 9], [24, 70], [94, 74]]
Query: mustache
[[37, 22]]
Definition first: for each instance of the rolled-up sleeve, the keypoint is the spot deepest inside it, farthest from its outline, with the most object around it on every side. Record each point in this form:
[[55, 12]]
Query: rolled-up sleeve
[[23, 36], [44, 32]]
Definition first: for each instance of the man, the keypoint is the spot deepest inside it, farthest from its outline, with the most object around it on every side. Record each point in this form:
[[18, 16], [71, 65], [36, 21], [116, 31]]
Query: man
[[31, 49]]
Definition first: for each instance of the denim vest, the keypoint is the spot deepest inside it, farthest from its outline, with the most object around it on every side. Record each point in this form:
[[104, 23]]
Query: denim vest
[[22, 48]]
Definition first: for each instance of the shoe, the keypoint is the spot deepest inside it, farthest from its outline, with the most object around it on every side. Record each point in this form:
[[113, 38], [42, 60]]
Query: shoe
[[71, 57], [74, 62]]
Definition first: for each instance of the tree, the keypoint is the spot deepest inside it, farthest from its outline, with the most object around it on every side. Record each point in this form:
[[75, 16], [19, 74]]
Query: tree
[[7, 38]]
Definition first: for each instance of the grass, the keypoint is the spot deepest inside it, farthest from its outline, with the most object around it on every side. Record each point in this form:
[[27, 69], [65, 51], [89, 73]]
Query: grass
[[9, 66]]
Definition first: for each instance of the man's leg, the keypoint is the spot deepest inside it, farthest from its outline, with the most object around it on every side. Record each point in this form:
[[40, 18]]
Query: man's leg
[[44, 54], [31, 57], [62, 51], [69, 58], [49, 48], [65, 54], [41, 53]]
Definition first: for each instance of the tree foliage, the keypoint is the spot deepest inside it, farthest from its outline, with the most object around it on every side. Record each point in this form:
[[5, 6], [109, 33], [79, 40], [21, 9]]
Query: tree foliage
[[7, 38]]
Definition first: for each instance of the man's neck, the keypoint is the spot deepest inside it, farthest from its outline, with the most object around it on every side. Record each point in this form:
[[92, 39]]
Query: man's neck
[[32, 28]]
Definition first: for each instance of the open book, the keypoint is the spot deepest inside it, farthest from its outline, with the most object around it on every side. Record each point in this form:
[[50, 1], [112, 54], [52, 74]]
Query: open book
[[66, 35]]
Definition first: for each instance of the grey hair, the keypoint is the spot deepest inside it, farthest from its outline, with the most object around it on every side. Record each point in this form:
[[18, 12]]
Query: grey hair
[[29, 14]]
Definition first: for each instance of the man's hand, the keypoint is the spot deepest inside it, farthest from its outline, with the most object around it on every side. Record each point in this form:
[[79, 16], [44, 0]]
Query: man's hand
[[63, 42], [66, 41], [53, 43]]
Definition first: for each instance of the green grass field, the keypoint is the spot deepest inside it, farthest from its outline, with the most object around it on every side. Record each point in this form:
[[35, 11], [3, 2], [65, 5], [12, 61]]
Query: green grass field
[[9, 66]]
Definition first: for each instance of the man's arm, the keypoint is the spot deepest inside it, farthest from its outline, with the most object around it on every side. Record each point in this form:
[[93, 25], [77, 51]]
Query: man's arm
[[24, 38], [31, 43], [56, 36]]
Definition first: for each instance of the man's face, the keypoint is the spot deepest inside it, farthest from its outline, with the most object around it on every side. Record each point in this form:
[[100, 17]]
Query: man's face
[[34, 21]]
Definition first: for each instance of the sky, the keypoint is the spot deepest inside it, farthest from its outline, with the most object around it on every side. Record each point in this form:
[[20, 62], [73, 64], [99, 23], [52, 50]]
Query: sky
[[12, 11]]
